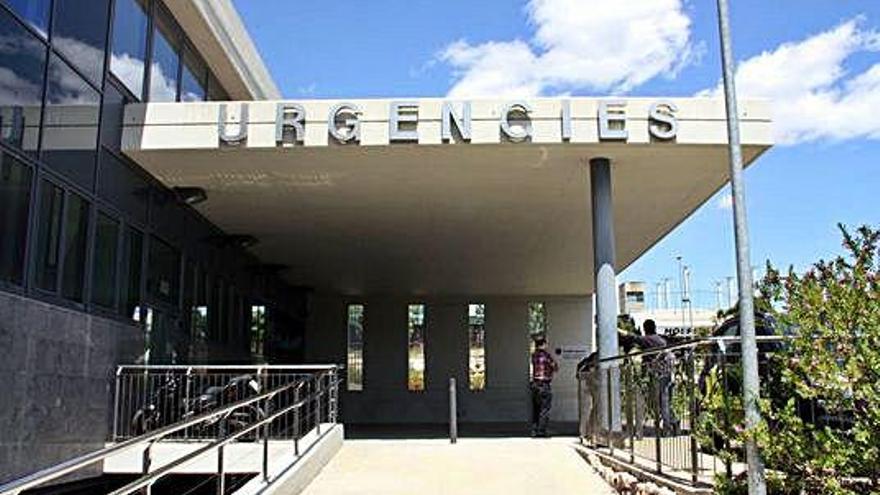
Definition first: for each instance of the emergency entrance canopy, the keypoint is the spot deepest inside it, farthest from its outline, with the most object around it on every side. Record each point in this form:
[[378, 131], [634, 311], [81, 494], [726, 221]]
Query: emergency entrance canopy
[[429, 196]]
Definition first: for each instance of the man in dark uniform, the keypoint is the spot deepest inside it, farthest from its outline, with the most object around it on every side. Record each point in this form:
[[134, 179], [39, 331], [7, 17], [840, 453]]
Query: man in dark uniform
[[543, 369]]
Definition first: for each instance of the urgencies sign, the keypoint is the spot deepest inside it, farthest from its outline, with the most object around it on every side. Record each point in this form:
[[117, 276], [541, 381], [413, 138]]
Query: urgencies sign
[[344, 122]]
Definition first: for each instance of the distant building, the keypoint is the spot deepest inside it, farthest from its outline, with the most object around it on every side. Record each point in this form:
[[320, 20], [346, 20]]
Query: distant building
[[671, 315], [632, 297]]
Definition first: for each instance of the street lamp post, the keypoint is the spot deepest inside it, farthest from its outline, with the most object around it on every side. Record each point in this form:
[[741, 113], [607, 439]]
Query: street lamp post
[[751, 383]]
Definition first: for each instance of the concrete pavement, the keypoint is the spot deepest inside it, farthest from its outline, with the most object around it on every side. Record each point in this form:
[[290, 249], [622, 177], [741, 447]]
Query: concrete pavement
[[503, 466]]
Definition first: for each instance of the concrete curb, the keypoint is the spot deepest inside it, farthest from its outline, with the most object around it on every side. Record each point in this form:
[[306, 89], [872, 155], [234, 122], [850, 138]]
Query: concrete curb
[[627, 478]]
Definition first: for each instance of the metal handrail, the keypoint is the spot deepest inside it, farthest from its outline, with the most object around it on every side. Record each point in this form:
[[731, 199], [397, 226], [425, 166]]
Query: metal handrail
[[689, 344], [45, 475], [150, 478], [670, 397], [303, 367]]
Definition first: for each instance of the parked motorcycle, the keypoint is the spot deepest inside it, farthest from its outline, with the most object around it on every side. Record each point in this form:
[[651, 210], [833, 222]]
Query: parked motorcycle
[[168, 404], [162, 408], [237, 389]]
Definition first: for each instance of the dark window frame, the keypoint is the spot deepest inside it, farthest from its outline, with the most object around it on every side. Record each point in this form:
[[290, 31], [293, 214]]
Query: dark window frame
[[9, 285], [21, 20], [42, 181], [47, 52], [84, 282], [106, 62], [148, 48], [97, 212], [43, 162], [186, 47], [177, 40]]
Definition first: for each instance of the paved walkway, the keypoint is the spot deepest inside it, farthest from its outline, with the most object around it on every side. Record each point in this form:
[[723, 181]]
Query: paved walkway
[[502, 466]]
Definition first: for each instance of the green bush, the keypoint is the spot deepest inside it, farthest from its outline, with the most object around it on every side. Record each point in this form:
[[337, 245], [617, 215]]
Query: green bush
[[821, 416]]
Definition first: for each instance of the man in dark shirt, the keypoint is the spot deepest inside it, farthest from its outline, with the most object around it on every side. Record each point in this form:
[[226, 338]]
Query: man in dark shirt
[[543, 369], [658, 368]]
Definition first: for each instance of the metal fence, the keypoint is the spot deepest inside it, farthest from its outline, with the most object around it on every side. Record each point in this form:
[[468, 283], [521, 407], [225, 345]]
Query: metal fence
[[663, 409], [292, 401], [149, 397]]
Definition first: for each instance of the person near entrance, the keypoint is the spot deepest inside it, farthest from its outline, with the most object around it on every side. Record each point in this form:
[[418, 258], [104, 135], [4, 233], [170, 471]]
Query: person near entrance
[[543, 369]]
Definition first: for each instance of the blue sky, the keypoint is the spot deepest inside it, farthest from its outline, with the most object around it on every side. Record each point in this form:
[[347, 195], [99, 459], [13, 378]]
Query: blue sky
[[818, 59]]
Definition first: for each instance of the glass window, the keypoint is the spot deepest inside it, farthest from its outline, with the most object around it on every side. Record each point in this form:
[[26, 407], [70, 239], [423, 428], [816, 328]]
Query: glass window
[[34, 12], [477, 346], [79, 32], [355, 360], [70, 130], [200, 309], [537, 324], [192, 83], [104, 264], [258, 330], [129, 46], [132, 258], [15, 193], [416, 347], [112, 113], [76, 229], [537, 318], [48, 236], [635, 296], [123, 186], [164, 272], [165, 62], [23, 63]]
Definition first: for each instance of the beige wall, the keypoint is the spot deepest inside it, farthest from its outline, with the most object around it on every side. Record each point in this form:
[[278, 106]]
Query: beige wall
[[385, 398]]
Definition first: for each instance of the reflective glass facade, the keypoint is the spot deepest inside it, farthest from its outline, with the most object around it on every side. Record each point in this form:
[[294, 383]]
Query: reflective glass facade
[[81, 225], [128, 54], [79, 32]]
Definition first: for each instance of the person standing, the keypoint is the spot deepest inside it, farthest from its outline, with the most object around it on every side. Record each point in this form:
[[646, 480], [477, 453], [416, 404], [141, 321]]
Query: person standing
[[543, 369], [659, 368], [588, 394]]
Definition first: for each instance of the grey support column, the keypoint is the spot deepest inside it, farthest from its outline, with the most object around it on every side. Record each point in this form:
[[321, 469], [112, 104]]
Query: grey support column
[[606, 292]]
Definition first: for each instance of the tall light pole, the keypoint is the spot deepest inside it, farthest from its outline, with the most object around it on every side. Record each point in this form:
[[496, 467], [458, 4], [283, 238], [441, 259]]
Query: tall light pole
[[751, 381], [681, 288]]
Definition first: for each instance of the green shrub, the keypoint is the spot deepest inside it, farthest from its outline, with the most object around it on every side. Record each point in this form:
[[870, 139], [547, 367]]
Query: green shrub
[[821, 415]]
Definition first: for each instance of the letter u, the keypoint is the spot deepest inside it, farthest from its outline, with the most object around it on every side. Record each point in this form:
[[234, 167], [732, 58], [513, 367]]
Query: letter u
[[233, 139]]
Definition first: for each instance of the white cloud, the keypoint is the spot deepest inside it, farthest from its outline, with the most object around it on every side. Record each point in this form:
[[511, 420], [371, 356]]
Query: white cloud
[[725, 202], [814, 95], [577, 44], [307, 90]]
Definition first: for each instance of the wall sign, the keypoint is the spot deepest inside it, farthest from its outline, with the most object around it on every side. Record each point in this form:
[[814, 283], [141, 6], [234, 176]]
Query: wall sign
[[573, 352], [344, 121]]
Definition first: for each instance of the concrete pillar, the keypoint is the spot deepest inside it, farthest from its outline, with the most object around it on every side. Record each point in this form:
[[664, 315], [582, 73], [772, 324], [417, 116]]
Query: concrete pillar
[[606, 291]]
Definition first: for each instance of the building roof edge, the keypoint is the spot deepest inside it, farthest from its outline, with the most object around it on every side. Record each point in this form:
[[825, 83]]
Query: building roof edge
[[218, 32]]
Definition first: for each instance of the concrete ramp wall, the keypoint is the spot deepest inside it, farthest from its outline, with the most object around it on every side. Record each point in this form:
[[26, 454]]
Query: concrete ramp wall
[[291, 475]]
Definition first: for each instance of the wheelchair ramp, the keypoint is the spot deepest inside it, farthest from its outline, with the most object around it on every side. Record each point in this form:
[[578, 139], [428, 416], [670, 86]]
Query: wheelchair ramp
[[503, 466], [239, 458]]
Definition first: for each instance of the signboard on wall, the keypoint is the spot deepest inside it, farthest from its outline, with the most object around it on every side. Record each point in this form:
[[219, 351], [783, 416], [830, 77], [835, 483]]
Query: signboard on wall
[[573, 352]]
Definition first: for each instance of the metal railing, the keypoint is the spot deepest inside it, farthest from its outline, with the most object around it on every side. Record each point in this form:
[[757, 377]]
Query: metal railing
[[308, 392], [148, 397], [664, 397]]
